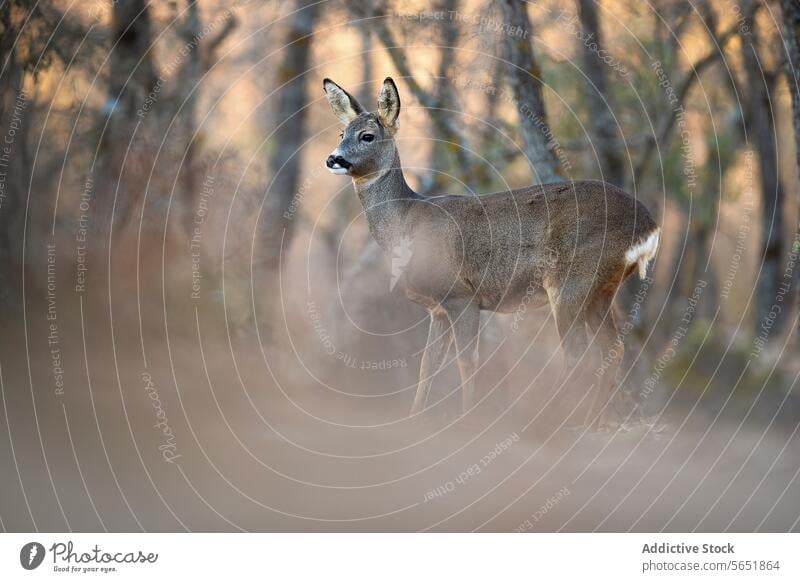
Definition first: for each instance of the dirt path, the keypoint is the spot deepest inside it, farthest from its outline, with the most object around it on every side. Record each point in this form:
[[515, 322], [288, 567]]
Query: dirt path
[[205, 436]]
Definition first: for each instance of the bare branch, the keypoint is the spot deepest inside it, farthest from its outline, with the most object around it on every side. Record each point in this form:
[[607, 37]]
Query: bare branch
[[442, 121], [682, 90]]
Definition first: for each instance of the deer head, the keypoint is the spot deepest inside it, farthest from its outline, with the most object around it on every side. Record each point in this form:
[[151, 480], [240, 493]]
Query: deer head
[[367, 147]]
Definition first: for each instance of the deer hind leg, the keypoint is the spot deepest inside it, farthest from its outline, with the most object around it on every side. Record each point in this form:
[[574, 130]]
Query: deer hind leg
[[439, 339], [466, 324], [600, 318], [571, 326]]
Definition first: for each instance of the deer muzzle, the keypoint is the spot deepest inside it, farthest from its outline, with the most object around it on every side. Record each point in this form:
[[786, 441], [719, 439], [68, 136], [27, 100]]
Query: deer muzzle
[[337, 164]]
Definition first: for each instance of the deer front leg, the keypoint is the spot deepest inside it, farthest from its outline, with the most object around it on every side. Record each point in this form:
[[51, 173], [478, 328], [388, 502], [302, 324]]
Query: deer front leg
[[466, 324], [439, 338]]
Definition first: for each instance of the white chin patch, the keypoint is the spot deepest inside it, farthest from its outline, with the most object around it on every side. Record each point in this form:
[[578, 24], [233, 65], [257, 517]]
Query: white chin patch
[[337, 169]]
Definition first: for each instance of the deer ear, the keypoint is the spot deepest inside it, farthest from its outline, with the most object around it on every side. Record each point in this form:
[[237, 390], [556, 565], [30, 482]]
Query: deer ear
[[344, 105], [389, 104]]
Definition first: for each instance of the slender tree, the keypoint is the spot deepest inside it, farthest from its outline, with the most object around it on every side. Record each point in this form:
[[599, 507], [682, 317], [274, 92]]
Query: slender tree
[[28, 40], [525, 78], [602, 126], [682, 88], [444, 123], [132, 72], [761, 130], [791, 28], [276, 227], [199, 45], [192, 70], [445, 96], [11, 163], [132, 78]]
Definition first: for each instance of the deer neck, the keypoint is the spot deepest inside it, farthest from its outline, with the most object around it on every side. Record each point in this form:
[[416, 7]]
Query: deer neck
[[386, 198]]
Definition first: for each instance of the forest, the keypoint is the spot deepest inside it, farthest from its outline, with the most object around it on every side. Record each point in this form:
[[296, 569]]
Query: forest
[[200, 332]]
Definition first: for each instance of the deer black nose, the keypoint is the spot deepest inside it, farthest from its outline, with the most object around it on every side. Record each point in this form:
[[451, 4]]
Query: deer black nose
[[337, 160]]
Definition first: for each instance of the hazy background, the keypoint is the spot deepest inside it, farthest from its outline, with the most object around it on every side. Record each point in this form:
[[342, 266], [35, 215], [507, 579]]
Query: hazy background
[[198, 334]]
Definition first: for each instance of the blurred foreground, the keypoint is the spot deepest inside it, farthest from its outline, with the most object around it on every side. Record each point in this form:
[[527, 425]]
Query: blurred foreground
[[200, 433]]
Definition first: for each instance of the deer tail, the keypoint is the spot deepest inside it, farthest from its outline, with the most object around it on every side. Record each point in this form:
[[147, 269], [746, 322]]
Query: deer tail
[[642, 252]]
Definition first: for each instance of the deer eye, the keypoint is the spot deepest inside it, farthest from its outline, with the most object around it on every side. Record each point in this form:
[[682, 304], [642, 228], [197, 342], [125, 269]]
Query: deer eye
[[367, 137]]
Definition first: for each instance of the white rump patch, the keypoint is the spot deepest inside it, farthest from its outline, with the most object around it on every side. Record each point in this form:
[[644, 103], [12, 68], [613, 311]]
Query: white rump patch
[[643, 252]]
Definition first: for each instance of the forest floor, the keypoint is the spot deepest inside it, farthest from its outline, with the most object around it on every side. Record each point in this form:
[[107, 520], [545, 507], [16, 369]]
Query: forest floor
[[208, 433]]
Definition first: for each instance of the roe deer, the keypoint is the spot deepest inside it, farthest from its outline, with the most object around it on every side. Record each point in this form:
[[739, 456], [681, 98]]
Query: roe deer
[[566, 244]]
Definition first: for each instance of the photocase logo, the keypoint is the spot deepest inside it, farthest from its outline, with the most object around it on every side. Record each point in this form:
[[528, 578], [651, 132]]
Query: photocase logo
[[401, 256], [31, 555]]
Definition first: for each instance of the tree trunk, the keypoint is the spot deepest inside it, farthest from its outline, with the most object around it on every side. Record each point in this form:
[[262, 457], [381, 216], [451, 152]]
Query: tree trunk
[[762, 131], [446, 151], [791, 25], [365, 96], [132, 75], [602, 127], [132, 78], [197, 51], [13, 169], [276, 224], [191, 31], [525, 78]]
